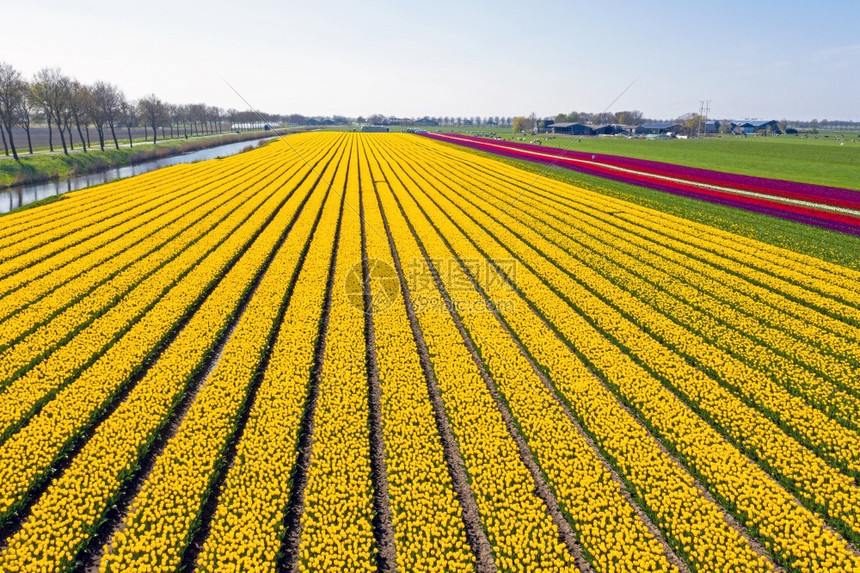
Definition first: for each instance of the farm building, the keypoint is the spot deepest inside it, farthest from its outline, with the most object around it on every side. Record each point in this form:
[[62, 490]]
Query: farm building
[[712, 126], [612, 129], [756, 126], [373, 129], [658, 128], [571, 128]]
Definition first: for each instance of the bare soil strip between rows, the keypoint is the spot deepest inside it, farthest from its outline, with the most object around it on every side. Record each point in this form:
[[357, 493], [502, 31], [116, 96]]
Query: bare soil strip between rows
[[383, 527], [612, 221], [543, 490], [602, 454], [475, 533], [209, 206], [66, 456], [730, 519], [229, 451], [119, 296], [117, 335], [288, 555], [748, 401]]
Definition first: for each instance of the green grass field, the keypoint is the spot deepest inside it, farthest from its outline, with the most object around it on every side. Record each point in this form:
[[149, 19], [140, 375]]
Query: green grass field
[[828, 245]]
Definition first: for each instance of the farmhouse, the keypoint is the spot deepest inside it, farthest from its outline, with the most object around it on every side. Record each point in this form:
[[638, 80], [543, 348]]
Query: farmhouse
[[757, 126], [612, 129], [658, 128], [571, 128]]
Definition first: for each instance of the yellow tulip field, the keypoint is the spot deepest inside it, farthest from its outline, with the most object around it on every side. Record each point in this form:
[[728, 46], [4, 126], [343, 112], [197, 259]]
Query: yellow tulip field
[[379, 352]]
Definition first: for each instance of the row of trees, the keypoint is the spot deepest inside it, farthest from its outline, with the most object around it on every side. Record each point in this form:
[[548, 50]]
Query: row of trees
[[627, 117], [449, 121], [65, 104]]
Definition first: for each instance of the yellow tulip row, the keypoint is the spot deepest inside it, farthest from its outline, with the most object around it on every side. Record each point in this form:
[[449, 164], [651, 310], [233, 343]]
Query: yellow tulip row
[[40, 341], [709, 376], [71, 508], [610, 213], [752, 316], [120, 246], [727, 309], [513, 516], [43, 380], [427, 518], [62, 244], [81, 203], [845, 317], [78, 257], [797, 379], [27, 252], [248, 523], [725, 328], [759, 501], [766, 302], [694, 526], [776, 402], [804, 271], [814, 480], [791, 268], [166, 511], [586, 491], [336, 524], [27, 455]]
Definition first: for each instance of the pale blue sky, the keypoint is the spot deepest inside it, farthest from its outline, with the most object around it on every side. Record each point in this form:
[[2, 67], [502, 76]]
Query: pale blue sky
[[766, 59]]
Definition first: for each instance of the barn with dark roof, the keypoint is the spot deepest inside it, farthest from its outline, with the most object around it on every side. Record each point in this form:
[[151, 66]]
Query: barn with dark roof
[[756, 126], [658, 127], [570, 128]]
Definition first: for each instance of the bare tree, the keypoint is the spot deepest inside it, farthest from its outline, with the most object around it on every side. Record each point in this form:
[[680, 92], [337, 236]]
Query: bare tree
[[12, 89], [104, 109], [130, 117], [197, 116], [232, 115], [26, 109], [216, 114], [152, 112], [113, 110], [78, 107], [97, 93], [52, 89], [174, 112], [185, 116]]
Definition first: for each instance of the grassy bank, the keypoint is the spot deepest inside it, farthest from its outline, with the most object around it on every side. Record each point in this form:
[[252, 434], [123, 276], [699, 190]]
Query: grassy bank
[[824, 244], [40, 168]]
